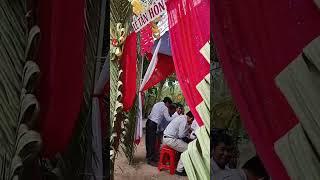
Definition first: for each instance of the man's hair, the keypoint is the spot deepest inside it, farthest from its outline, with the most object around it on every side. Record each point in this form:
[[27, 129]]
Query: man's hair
[[172, 107], [190, 114], [255, 166], [218, 136], [167, 100], [179, 105]]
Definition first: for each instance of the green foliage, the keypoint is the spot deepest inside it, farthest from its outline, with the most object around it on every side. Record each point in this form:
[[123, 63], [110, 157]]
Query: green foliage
[[223, 113], [173, 90], [150, 98]]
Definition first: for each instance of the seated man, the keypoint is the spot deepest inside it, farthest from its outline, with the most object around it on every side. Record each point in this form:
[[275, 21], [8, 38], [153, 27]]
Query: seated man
[[162, 126], [220, 157], [179, 110], [194, 127], [177, 129]]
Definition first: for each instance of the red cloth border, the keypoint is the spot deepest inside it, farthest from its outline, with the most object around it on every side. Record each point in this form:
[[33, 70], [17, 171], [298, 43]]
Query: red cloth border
[[129, 67], [189, 30], [62, 57], [255, 41], [163, 69]]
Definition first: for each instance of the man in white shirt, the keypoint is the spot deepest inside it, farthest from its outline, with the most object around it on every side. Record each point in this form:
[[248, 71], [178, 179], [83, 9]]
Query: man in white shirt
[[179, 110], [194, 127], [162, 126], [159, 111], [164, 123], [173, 135], [227, 174], [175, 110], [221, 147]]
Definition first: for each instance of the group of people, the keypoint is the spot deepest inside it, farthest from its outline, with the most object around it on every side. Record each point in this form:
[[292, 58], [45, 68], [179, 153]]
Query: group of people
[[168, 125], [222, 166]]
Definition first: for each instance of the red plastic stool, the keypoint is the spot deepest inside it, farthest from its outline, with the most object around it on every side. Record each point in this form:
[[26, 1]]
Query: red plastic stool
[[167, 155]]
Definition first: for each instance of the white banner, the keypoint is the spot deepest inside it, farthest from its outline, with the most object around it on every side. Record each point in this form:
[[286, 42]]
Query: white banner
[[163, 24], [157, 9], [150, 70]]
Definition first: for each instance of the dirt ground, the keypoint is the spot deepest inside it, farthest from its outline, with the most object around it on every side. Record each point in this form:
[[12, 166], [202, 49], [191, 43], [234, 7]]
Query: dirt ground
[[140, 170]]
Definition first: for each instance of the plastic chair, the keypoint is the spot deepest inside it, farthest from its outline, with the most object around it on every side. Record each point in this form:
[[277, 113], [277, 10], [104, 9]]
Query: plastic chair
[[167, 159]]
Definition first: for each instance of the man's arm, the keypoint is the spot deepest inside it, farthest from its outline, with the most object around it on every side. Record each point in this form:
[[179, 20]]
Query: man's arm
[[183, 129], [167, 115]]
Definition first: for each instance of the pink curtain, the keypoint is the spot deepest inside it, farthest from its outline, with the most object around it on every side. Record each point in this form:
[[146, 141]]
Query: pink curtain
[[129, 66], [62, 65], [256, 40], [189, 28]]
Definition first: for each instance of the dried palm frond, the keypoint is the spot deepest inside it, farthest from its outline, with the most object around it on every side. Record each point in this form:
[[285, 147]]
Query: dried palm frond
[[12, 46], [128, 141], [120, 11]]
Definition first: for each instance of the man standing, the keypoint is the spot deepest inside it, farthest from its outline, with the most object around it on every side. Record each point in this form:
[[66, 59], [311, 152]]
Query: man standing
[[163, 123], [173, 135], [159, 111]]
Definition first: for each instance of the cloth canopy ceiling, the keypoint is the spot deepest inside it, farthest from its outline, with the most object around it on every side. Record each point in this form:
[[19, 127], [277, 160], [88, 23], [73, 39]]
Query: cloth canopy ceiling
[[165, 47]]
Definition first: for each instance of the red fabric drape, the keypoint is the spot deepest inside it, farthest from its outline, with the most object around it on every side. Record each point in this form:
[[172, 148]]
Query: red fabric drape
[[146, 39], [189, 30], [149, 56], [163, 69], [255, 41], [129, 67], [61, 62]]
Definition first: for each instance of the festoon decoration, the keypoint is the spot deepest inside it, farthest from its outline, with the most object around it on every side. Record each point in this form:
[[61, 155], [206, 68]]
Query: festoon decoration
[[118, 36]]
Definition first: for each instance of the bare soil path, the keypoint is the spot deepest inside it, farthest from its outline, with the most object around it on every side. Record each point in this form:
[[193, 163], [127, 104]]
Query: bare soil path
[[140, 170]]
